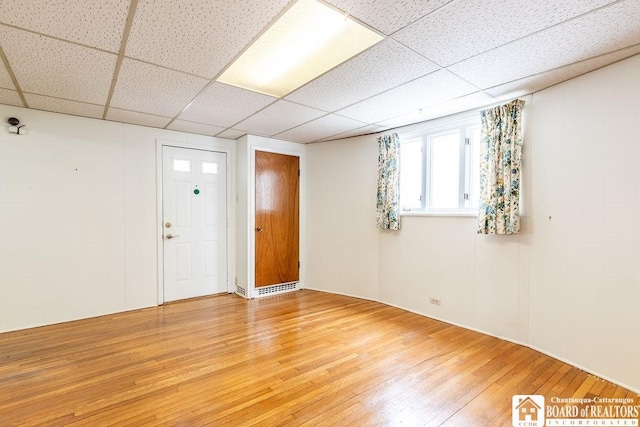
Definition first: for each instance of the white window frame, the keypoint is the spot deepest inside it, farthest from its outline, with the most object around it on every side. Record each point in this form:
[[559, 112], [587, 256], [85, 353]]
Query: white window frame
[[465, 127]]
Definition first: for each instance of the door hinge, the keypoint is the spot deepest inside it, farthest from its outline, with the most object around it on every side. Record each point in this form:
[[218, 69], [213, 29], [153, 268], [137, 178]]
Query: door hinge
[[298, 264], [466, 196], [467, 141], [298, 172]]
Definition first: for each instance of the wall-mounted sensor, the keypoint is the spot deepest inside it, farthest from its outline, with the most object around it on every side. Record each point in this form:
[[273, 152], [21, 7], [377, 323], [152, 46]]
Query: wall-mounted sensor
[[14, 126]]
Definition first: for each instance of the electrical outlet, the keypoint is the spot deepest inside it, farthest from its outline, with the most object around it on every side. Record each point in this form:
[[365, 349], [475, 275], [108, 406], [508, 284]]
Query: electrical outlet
[[435, 301]]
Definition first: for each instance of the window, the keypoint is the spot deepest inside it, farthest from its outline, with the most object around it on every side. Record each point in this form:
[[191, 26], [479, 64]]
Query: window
[[210, 168], [440, 169], [180, 165]]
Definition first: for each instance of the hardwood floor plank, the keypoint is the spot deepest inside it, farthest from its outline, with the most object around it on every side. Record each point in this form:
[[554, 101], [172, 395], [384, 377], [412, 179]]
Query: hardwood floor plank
[[304, 358]]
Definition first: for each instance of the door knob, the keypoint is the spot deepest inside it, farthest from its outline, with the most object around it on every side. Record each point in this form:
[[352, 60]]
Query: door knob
[[259, 229], [170, 236]]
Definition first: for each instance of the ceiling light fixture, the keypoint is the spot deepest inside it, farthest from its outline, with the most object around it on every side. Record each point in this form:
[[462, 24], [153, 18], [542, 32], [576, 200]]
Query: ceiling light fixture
[[308, 40]]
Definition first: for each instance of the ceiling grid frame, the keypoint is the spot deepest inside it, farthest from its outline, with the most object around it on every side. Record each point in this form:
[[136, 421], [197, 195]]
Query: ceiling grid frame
[[156, 37], [123, 46]]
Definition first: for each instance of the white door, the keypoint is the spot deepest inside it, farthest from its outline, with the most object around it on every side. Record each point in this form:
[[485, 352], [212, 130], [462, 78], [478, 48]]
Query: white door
[[194, 210]]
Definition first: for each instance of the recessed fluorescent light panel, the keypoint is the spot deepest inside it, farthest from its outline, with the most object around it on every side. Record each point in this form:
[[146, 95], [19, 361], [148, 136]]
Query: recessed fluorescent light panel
[[308, 40]]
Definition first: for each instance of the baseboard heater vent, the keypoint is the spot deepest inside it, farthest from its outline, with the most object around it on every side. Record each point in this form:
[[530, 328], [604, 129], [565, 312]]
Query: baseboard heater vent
[[241, 291], [277, 289]]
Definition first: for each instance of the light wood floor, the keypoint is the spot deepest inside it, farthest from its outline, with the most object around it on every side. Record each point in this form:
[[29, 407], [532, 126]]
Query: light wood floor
[[305, 358]]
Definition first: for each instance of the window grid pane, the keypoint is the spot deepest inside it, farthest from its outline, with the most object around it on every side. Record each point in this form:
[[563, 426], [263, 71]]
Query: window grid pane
[[472, 170], [444, 176], [439, 171], [180, 165], [411, 175], [209, 168]]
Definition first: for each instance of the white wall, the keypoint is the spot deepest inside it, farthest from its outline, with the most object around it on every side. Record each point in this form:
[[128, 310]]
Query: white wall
[[78, 217], [569, 287], [439, 257], [342, 238], [585, 254]]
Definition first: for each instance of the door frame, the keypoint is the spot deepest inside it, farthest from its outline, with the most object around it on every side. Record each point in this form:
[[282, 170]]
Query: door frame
[[230, 211], [251, 278]]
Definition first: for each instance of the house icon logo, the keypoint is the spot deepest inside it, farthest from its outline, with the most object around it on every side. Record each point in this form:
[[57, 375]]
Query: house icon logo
[[528, 411]]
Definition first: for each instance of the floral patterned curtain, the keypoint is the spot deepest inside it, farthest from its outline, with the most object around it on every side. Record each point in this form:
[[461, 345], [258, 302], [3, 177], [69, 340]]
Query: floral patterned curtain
[[500, 164], [388, 204]]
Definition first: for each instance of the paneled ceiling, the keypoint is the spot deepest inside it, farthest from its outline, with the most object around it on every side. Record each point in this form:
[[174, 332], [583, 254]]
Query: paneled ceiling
[[154, 62]]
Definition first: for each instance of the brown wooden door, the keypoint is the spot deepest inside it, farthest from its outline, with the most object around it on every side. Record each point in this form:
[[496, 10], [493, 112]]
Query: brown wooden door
[[277, 218]]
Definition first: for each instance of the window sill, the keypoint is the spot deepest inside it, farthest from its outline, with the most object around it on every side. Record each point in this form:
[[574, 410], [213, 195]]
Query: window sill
[[442, 213]]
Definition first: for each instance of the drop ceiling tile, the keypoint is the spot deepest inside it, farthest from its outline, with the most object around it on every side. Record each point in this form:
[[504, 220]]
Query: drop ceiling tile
[[454, 106], [10, 97], [197, 128], [64, 106], [136, 118], [321, 128], [52, 67], [606, 30], [95, 23], [224, 105], [278, 117], [458, 105], [232, 134], [384, 66], [357, 132], [155, 90], [460, 30], [388, 16], [544, 80], [197, 36], [420, 93], [5, 79]]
